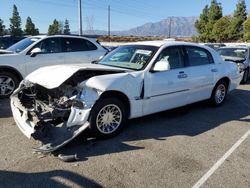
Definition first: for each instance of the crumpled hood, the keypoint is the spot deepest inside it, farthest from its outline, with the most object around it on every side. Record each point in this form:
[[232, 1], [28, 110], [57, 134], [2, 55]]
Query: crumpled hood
[[53, 76], [234, 59]]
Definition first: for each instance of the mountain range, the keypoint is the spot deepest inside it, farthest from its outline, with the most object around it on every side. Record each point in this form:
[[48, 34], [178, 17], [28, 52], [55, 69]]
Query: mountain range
[[173, 26]]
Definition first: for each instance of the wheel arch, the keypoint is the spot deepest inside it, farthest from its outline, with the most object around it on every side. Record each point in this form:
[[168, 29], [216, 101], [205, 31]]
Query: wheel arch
[[226, 80], [119, 95], [12, 70]]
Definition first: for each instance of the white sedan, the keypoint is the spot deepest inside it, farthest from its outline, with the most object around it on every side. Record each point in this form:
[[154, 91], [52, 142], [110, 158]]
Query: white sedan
[[55, 104]]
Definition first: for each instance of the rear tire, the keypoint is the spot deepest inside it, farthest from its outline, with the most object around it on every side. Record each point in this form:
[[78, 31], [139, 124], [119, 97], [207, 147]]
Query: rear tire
[[219, 93], [8, 84], [107, 117]]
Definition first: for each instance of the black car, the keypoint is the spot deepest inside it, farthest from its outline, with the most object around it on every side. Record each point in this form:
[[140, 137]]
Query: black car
[[7, 41]]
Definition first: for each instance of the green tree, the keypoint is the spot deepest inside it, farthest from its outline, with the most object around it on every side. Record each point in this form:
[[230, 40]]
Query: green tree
[[2, 27], [240, 15], [208, 17], [246, 26], [214, 14], [215, 11], [201, 24], [220, 29], [54, 28], [66, 29], [15, 23], [30, 28]]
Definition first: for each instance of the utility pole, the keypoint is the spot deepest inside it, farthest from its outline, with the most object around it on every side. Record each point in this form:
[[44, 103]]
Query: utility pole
[[80, 16], [169, 27], [109, 20]]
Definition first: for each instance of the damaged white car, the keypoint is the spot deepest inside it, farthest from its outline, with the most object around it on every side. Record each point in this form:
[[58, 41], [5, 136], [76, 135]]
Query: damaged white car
[[55, 104]]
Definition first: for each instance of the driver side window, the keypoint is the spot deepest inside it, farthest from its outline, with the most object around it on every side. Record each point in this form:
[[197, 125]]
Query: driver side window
[[173, 56], [50, 45]]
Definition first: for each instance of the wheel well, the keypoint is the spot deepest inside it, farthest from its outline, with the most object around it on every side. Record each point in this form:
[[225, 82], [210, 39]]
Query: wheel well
[[227, 80], [13, 71], [119, 95]]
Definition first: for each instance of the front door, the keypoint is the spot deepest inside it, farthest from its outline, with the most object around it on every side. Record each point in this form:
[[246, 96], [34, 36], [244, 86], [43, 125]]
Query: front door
[[167, 89]]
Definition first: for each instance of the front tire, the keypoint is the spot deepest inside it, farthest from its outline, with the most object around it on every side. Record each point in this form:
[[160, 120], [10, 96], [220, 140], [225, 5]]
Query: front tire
[[219, 93], [8, 84], [107, 117]]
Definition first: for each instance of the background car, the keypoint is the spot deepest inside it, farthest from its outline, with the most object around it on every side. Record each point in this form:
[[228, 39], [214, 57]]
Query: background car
[[7, 41], [240, 55], [34, 52], [215, 46], [131, 81]]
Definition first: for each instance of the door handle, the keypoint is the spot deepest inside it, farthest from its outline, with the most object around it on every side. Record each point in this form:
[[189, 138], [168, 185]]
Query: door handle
[[214, 70], [182, 75]]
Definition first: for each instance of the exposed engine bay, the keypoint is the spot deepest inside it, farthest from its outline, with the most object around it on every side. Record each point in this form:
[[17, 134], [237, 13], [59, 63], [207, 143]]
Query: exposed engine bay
[[56, 115]]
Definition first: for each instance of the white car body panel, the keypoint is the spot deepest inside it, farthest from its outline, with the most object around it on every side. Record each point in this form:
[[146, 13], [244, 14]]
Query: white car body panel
[[43, 60]]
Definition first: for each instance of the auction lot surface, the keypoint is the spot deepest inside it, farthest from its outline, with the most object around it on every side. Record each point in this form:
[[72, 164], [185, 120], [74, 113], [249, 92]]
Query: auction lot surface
[[170, 149]]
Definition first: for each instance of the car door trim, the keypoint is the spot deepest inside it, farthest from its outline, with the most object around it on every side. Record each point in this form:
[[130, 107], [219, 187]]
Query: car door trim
[[168, 93]]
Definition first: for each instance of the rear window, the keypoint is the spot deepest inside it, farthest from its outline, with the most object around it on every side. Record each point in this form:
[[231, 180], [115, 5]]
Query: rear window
[[233, 52]]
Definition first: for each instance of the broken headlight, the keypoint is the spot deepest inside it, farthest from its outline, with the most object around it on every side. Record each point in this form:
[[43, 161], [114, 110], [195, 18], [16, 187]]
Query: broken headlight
[[79, 100]]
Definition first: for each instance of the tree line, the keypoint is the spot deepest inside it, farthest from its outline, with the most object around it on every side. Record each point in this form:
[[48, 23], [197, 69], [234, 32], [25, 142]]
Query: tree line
[[212, 26], [15, 28]]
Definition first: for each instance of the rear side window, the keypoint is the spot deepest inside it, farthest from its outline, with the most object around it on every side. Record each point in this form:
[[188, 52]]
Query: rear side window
[[76, 45], [198, 56]]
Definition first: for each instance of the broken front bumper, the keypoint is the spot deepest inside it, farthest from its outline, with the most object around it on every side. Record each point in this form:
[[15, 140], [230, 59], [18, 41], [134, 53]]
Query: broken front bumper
[[56, 136]]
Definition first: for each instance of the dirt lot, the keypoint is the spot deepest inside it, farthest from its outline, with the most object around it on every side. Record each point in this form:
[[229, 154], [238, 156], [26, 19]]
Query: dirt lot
[[170, 149]]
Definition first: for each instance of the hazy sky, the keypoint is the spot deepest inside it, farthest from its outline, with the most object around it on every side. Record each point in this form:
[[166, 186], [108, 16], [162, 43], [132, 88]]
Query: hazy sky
[[125, 14]]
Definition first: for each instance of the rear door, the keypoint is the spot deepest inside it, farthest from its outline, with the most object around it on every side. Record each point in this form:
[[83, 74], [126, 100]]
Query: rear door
[[201, 71], [79, 50], [51, 54]]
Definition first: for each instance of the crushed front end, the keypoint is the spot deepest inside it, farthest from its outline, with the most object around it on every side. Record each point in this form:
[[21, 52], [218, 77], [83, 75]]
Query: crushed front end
[[52, 116]]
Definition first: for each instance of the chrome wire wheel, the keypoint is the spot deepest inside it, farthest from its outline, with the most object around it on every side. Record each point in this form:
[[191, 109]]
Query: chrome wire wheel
[[220, 93], [7, 85], [109, 119]]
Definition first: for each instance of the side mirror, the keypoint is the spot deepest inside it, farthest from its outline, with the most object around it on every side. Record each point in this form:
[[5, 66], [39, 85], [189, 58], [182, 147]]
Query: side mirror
[[35, 51], [161, 66], [96, 61]]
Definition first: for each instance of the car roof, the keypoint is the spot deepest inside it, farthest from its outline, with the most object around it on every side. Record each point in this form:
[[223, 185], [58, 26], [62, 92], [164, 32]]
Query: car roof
[[159, 43], [51, 36], [236, 46]]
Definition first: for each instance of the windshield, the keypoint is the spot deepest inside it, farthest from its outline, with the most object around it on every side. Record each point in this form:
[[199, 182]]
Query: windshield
[[133, 57], [23, 44], [233, 52]]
